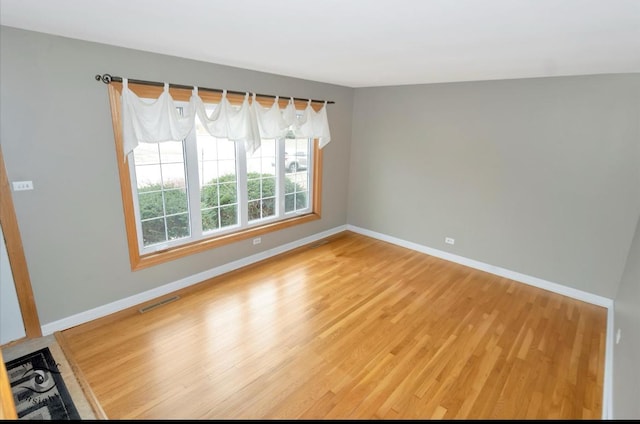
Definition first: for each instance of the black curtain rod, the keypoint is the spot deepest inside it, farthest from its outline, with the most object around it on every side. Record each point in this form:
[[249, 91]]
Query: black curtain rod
[[107, 79]]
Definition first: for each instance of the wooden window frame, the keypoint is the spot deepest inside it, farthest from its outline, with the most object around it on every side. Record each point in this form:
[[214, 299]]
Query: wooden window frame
[[141, 261]]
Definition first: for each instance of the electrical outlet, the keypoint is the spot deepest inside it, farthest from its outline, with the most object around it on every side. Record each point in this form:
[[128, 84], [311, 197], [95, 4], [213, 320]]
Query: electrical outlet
[[22, 185], [449, 240], [257, 240]]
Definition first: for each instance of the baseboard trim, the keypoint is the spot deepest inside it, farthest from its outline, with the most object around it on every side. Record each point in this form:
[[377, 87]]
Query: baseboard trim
[[607, 391], [119, 305], [502, 272]]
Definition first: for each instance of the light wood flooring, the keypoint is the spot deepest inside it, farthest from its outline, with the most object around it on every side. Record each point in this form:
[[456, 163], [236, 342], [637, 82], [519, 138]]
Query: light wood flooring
[[349, 328]]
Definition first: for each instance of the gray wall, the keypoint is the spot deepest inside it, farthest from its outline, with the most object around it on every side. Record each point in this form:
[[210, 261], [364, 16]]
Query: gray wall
[[56, 131], [539, 176], [533, 175], [626, 369]]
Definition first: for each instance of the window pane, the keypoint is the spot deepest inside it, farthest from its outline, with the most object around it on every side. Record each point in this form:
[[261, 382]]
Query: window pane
[[226, 150], [268, 187], [153, 231], [253, 186], [289, 202], [268, 165], [148, 176], [296, 154], [261, 181], [175, 201], [208, 171], [259, 209], [228, 193], [178, 226], [254, 165], [210, 219], [289, 185], [161, 176], [264, 208], [150, 204], [297, 177], [254, 210], [173, 175], [209, 196], [218, 182], [302, 200], [296, 201], [227, 169], [228, 215], [268, 207]]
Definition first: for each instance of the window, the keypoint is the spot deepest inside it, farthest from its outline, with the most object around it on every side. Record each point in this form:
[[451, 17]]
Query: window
[[218, 174], [185, 196], [161, 183]]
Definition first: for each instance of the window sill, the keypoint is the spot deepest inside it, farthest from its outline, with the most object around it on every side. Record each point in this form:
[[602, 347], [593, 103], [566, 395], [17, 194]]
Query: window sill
[[150, 259]]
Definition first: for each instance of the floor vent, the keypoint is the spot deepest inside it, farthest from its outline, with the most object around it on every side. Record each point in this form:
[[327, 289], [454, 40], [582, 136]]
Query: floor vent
[[158, 304]]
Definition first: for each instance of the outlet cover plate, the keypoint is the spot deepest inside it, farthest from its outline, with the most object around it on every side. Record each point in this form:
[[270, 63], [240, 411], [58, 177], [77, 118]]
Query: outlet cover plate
[[22, 185]]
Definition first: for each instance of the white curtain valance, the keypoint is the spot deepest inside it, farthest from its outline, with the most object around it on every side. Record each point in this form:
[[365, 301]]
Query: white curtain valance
[[156, 121]]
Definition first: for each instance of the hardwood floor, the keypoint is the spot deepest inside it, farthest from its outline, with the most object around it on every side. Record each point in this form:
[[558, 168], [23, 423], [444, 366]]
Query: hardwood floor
[[350, 328]]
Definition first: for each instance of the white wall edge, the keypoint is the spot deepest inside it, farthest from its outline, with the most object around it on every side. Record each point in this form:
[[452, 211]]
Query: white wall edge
[[607, 390], [119, 305]]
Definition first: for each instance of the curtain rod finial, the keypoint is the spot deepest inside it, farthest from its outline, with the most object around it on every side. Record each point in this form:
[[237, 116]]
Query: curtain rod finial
[[105, 78]]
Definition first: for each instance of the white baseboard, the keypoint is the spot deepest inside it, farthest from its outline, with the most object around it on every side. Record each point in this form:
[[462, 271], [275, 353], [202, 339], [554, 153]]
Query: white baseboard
[[607, 395], [607, 390], [139, 298], [502, 272]]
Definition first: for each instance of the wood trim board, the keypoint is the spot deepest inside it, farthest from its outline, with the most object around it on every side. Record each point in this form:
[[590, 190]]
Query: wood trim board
[[17, 259]]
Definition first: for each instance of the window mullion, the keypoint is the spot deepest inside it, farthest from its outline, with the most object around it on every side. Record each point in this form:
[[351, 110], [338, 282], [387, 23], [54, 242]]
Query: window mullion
[[280, 180], [310, 172], [243, 196], [164, 200], [193, 184]]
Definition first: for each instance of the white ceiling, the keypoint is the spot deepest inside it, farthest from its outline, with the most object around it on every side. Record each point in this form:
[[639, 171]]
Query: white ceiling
[[360, 43]]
